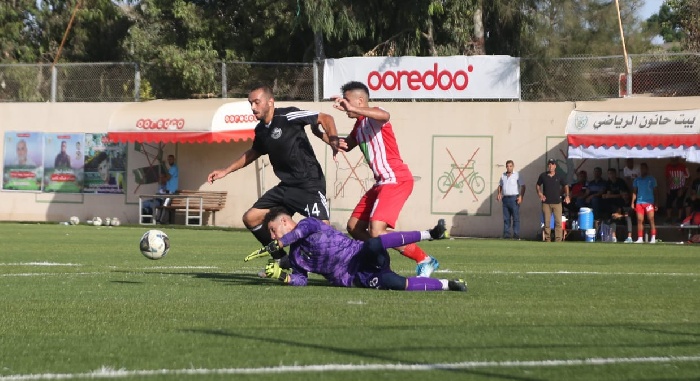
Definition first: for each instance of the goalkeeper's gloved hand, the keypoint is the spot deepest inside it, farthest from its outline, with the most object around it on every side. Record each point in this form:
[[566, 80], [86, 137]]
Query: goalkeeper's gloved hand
[[263, 251], [274, 271]]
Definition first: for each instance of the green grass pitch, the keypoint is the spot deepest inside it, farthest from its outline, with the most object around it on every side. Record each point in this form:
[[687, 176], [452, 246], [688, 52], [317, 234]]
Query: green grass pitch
[[81, 302]]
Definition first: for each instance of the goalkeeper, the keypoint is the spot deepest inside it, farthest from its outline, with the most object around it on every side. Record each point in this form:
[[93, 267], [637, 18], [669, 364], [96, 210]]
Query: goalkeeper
[[315, 247]]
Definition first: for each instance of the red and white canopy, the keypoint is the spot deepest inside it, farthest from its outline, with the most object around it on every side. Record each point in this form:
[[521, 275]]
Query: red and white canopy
[[183, 121], [657, 134]]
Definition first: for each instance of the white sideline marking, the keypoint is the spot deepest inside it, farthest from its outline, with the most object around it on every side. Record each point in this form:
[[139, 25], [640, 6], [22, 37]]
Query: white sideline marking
[[51, 274], [106, 372], [586, 273], [40, 264]]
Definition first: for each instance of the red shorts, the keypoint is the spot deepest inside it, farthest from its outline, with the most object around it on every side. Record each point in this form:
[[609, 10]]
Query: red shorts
[[383, 203], [642, 208]]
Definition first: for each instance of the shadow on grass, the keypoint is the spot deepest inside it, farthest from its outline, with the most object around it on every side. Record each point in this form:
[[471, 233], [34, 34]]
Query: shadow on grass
[[372, 356], [232, 278]]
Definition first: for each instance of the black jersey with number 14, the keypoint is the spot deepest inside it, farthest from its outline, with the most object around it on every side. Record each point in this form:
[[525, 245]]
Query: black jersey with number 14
[[285, 141]]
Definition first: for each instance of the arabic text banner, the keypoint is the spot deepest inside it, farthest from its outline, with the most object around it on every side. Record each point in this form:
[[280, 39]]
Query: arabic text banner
[[63, 162], [681, 122], [455, 77]]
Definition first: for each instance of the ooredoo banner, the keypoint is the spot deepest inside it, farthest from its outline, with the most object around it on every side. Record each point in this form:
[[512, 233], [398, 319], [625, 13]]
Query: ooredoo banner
[[455, 77]]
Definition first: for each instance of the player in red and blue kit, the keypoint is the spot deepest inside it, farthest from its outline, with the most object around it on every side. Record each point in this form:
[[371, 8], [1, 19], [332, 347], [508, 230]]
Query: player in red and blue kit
[[315, 247], [644, 193], [379, 208]]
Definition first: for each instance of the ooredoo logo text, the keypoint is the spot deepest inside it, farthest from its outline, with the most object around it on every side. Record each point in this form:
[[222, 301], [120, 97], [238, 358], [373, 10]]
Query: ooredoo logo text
[[415, 80], [160, 124], [242, 118]]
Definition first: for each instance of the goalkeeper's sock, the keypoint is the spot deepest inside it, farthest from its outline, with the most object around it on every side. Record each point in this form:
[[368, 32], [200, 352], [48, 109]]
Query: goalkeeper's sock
[[396, 239], [423, 284]]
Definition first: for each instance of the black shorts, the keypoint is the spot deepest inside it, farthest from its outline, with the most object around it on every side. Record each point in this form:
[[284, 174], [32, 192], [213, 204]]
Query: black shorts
[[296, 200]]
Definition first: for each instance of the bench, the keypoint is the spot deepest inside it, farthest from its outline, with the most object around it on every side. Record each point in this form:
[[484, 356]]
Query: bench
[[195, 203]]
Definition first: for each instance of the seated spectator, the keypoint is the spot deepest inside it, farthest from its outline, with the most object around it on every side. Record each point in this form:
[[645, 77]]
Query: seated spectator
[[579, 192], [692, 201], [153, 206], [613, 198], [622, 212], [596, 189]]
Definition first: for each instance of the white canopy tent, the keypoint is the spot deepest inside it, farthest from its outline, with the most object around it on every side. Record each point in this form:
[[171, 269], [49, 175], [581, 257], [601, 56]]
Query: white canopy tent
[[655, 134]]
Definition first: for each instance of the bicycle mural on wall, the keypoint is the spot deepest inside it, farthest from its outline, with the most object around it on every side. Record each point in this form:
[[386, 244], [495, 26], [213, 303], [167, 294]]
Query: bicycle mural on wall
[[456, 177], [462, 168]]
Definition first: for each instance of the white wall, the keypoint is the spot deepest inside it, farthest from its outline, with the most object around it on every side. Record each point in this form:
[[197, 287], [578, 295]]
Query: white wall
[[431, 136]]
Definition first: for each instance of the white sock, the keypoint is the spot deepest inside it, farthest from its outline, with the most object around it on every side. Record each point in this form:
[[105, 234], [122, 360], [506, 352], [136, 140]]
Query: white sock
[[444, 284], [425, 235]]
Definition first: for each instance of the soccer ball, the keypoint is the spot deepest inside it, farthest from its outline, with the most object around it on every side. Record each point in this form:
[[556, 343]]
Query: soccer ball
[[97, 221], [154, 244], [74, 220], [116, 222]]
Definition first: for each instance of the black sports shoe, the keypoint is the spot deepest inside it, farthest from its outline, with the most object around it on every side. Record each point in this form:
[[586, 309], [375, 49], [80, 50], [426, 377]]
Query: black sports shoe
[[439, 231], [457, 285]]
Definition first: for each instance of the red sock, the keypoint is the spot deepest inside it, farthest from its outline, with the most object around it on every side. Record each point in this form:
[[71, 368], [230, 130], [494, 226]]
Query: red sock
[[640, 233], [414, 252], [653, 232]]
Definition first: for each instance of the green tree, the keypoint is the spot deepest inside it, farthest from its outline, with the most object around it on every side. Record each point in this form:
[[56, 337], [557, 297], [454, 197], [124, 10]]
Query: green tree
[[688, 22]]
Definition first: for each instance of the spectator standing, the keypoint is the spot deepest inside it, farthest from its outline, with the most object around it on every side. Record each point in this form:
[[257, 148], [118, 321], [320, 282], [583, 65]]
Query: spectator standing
[[676, 175], [644, 194], [511, 191], [630, 172], [549, 190]]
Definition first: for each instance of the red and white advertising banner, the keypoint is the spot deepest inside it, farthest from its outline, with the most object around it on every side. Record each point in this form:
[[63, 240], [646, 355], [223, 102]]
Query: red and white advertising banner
[[643, 134], [455, 77], [183, 121]]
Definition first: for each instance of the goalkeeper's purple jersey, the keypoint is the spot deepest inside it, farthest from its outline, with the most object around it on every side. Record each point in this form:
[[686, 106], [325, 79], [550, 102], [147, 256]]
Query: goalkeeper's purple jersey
[[318, 248]]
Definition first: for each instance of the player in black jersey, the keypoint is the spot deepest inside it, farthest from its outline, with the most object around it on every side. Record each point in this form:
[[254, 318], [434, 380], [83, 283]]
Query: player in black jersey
[[281, 135]]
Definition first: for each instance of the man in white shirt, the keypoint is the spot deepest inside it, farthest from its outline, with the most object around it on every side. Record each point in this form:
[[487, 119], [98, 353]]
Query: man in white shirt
[[630, 172], [511, 191]]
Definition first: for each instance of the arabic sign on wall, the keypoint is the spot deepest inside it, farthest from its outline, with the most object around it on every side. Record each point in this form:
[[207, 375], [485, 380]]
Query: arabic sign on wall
[[658, 134], [642, 123], [456, 77]]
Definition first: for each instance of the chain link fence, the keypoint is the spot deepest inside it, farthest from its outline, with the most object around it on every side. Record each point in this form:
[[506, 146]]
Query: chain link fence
[[561, 79], [590, 78]]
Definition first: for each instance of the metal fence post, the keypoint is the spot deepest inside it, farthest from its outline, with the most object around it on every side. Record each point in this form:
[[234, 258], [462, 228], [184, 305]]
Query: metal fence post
[[54, 77], [629, 77], [316, 98], [224, 87], [137, 82]]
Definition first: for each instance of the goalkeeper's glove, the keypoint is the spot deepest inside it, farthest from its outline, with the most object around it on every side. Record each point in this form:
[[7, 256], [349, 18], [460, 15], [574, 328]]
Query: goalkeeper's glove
[[263, 251], [274, 271]]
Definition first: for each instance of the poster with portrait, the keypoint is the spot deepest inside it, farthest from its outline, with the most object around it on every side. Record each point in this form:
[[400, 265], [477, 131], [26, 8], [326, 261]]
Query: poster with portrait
[[23, 161], [63, 162], [105, 165]]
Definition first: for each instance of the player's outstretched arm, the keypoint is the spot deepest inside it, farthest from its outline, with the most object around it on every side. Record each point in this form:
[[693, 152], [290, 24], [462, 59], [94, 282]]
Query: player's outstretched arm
[[246, 158], [329, 133]]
